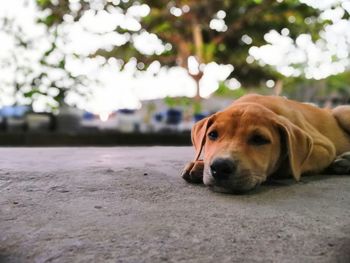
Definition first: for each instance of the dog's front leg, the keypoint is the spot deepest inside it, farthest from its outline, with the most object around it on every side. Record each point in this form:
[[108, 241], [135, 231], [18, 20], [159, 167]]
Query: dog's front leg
[[193, 172]]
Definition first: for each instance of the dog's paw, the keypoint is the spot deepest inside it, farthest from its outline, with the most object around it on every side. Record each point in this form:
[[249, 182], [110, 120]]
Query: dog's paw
[[193, 172], [341, 164]]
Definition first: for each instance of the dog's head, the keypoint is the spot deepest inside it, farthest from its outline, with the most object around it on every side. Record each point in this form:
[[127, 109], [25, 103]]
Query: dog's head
[[246, 143]]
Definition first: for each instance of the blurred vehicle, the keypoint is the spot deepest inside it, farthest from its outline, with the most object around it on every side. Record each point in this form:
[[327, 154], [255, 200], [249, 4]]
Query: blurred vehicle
[[123, 120]]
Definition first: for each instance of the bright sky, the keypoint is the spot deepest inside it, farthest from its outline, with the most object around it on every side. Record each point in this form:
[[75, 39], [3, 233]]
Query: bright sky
[[116, 89]]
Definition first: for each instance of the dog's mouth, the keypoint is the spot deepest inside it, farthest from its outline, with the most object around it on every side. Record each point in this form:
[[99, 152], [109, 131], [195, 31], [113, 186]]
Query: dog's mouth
[[234, 184]]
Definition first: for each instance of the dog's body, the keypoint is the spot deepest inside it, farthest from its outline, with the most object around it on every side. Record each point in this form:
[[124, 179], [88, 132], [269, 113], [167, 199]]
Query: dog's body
[[259, 136]]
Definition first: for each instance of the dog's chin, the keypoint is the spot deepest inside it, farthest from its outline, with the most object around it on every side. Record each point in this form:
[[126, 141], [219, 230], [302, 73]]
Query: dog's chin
[[231, 187]]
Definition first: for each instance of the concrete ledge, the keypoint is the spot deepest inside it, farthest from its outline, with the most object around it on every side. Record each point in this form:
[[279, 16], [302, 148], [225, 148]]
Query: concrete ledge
[[93, 139], [129, 205]]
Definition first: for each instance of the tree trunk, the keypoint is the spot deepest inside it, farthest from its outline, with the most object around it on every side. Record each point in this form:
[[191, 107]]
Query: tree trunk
[[198, 44], [278, 87]]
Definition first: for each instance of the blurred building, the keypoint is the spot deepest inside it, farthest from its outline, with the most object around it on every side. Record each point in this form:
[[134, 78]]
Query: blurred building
[[154, 116]]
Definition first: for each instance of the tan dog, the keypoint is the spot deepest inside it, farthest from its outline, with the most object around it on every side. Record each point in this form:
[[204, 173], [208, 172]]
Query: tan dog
[[260, 136]]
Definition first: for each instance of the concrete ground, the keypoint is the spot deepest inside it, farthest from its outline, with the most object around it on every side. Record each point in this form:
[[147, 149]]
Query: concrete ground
[[130, 205]]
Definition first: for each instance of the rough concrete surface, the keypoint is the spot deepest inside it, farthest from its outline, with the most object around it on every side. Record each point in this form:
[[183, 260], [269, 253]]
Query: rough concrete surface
[[130, 205]]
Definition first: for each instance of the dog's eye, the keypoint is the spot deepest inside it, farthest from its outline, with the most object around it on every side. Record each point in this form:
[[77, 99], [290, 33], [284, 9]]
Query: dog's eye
[[213, 135], [258, 139]]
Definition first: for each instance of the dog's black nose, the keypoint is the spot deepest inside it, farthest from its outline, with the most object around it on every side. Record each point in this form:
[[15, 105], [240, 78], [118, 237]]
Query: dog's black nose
[[222, 168]]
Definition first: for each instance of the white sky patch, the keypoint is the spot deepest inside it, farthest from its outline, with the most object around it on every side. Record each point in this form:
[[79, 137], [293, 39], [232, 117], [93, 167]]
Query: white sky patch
[[322, 4], [148, 43], [102, 22], [147, 87], [247, 39], [218, 25], [317, 60], [270, 83], [221, 14], [193, 65], [82, 42], [213, 74], [176, 11], [233, 83], [139, 10], [333, 15], [346, 6]]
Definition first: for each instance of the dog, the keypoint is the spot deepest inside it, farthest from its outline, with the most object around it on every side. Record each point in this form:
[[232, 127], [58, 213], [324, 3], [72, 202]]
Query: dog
[[259, 137]]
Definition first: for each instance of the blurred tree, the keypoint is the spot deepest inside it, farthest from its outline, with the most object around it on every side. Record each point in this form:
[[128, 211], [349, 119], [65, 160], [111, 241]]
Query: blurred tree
[[36, 69], [331, 91], [194, 32]]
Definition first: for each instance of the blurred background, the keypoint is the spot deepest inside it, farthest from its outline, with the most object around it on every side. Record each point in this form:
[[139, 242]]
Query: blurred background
[[125, 72]]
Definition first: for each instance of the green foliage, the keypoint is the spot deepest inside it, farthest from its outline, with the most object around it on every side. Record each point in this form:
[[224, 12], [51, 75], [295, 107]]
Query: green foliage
[[209, 52], [31, 92], [43, 2], [49, 20], [161, 28], [197, 107], [183, 102], [317, 90], [224, 91], [170, 102], [339, 83]]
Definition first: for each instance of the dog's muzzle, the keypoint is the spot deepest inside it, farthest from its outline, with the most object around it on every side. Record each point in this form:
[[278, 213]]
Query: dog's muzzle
[[226, 177], [222, 169]]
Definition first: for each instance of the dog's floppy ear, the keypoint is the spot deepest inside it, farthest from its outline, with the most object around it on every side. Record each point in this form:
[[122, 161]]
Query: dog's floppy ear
[[198, 134], [298, 143]]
